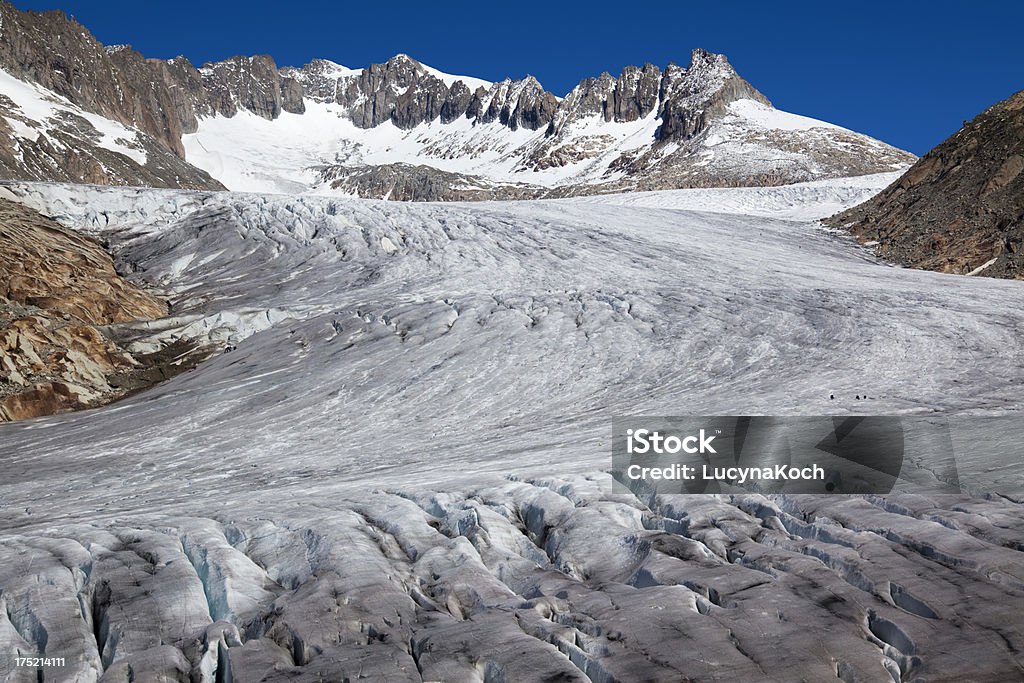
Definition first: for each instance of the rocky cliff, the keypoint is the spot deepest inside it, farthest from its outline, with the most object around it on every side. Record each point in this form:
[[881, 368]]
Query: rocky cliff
[[960, 209], [647, 129], [159, 98]]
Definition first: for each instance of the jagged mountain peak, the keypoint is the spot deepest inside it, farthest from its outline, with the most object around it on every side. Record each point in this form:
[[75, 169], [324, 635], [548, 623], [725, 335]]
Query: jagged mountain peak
[[701, 56], [327, 66]]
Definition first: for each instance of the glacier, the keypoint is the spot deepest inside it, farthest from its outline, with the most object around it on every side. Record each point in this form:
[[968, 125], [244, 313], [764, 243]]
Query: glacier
[[396, 469]]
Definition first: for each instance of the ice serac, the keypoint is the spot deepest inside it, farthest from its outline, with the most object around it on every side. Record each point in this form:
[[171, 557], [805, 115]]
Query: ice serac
[[960, 209]]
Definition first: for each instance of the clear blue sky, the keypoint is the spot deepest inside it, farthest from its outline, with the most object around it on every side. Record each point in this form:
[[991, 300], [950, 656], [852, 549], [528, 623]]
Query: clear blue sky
[[906, 72]]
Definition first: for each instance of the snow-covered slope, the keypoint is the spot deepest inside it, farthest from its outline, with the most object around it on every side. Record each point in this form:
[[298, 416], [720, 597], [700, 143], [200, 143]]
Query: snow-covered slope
[[41, 113], [291, 153], [397, 472], [45, 136]]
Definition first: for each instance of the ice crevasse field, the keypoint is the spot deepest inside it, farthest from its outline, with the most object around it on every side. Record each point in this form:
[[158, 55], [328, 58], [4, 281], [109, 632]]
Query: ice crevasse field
[[398, 464]]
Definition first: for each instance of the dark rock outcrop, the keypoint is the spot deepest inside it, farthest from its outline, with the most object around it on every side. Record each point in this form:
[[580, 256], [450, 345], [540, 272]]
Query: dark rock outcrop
[[456, 104], [70, 153], [398, 90], [60, 54], [160, 98], [636, 93], [153, 97], [418, 183], [588, 98], [960, 208]]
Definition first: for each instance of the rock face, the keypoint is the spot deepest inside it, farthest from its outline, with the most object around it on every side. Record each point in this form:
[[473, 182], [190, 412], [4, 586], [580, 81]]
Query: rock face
[[148, 101], [159, 98], [67, 274], [62, 56], [406, 93], [249, 83], [960, 209], [691, 98], [48, 365], [58, 292], [44, 137]]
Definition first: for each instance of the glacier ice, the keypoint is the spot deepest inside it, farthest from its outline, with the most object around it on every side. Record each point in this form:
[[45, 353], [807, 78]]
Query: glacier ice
[[398, 472]]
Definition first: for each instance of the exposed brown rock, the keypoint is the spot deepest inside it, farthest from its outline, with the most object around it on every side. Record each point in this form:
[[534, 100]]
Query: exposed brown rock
[[150, 96], [64, 273], [57, 52], [960, 208], [49, 365], [58, 291]]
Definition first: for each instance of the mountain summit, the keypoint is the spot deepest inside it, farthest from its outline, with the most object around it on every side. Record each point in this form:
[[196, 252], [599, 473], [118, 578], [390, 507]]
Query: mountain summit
[[73, 109]]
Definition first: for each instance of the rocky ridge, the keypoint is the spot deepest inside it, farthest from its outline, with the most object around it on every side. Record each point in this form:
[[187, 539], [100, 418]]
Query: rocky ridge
[[413, 183], [160, 104], [74, 76], [648, 129], [160, 98], [960, 209], [407, 94]]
